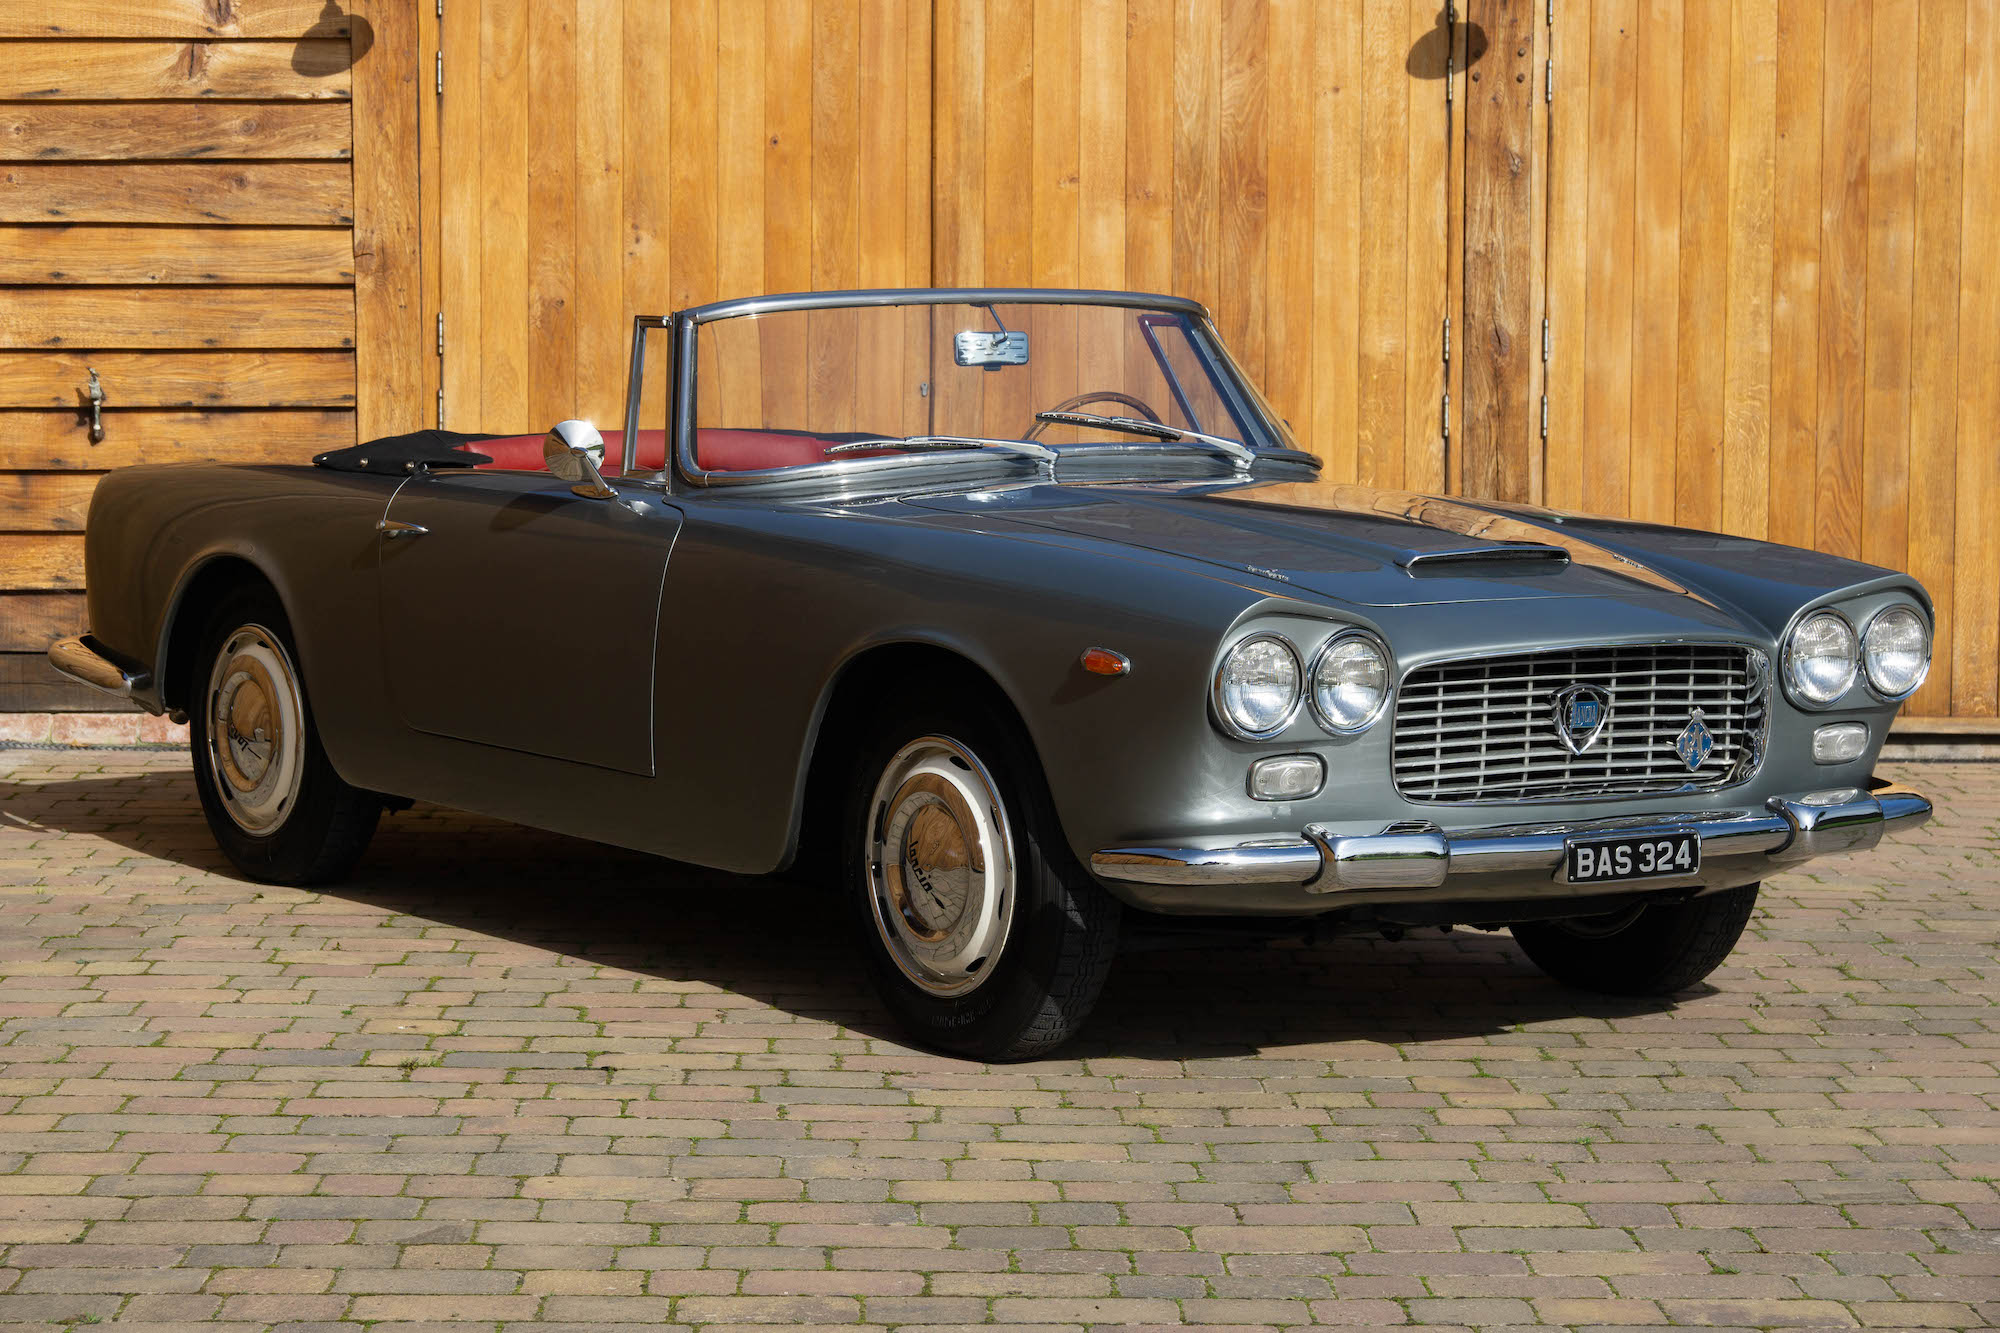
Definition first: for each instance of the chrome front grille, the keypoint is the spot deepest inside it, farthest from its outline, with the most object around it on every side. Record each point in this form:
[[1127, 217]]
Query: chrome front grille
[[1483, 729]]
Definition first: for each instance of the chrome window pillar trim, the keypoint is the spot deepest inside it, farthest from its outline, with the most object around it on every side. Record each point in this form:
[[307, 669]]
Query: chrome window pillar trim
[[635, 378], [1419, 856]]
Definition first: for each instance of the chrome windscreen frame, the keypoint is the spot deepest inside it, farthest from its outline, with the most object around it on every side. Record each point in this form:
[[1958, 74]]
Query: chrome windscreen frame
[[864, 474]]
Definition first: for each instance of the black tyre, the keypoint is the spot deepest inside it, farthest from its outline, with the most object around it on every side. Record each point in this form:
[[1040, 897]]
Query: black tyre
[[983, 935], [277, 809], [1653, 950]]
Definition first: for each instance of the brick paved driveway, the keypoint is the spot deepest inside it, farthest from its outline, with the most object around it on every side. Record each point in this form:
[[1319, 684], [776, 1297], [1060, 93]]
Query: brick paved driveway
[[507, 1077]]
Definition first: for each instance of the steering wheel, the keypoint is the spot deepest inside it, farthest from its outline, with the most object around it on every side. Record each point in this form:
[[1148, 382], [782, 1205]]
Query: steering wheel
[[1096, 396]]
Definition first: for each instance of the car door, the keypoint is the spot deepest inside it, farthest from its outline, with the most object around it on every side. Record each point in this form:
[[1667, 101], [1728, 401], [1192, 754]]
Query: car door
[[518, 614]]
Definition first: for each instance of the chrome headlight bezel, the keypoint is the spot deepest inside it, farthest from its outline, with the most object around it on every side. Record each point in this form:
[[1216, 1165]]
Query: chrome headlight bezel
[[1867, 659], [1787, 661], [1218, 704], [1320, 715]]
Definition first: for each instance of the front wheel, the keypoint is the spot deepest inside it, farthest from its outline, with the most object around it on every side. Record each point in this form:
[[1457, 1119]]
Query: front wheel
[[1643, 950], [983, 936], [276, 807]]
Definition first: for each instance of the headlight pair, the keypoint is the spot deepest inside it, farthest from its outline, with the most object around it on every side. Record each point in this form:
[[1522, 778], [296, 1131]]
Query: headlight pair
[[1262, 683], [1823, 655]]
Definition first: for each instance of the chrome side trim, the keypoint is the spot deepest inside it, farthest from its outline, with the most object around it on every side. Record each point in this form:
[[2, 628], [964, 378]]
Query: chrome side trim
[[78, 659], [1790, 829]]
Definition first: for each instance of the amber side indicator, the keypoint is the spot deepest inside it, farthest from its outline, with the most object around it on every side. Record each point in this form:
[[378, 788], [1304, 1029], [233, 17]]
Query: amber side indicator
[[1104, 662]]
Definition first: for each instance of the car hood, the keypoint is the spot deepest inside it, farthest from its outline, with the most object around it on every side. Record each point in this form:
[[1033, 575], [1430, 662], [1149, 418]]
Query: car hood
[[1355, 544]]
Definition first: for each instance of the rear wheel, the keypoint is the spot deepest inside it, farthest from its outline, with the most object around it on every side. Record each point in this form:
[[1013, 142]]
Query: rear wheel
[[983, 935], [1643, 950], [276, 807]]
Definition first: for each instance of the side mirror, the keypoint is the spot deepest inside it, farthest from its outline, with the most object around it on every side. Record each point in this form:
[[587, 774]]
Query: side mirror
[[574, 451]]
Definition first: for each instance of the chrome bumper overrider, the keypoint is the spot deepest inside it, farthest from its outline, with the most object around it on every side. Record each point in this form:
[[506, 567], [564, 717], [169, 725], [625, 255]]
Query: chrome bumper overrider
[[80, 660], [1423, 856]]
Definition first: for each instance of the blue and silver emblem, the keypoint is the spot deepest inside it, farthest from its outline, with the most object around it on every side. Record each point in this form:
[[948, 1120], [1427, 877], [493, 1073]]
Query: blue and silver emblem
[[1579, 713], [1695, 743]]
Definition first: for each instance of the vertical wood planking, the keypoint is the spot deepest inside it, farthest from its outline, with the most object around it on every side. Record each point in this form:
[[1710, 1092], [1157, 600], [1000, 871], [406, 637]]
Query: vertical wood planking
[[1569, 150], [1656, 259], [1241, 180], [1795, 280], [1976, 600], [1501, 332], [1746, 383], [1608, 313], [1934, 347], [388, 277], [552, 217], [1843, 276], [602, 340], [1704, 267], [1425, 281], [460, 213], [503, 91], [1288, 368], [1892, 189], [1385, 211]]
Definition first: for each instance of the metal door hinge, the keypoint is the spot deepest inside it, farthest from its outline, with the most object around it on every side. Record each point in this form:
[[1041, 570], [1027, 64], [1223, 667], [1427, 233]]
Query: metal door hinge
[[440, 73], [440, 409], [1545, 338], [1444, 419], [1545, 416], [441, 333], [1549, 81]]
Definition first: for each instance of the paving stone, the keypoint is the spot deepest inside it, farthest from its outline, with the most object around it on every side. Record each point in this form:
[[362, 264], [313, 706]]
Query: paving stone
[[503, 1079]]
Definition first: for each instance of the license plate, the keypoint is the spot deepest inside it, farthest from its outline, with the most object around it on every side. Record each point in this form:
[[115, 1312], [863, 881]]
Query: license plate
[[1611, 859]]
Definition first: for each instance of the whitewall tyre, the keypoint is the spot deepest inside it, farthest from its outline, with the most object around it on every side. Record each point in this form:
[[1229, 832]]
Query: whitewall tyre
[[276, 807], [983, 935]]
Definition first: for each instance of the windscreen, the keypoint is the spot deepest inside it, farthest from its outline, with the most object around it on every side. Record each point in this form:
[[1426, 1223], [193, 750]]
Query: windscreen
[[792, 387]]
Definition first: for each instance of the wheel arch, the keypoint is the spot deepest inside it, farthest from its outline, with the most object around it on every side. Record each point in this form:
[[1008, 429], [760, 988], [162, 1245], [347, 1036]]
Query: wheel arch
[[868, 675], [202, 585]]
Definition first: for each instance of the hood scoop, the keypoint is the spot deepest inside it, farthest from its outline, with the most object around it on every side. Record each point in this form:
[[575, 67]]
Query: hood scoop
[[1419, 563]]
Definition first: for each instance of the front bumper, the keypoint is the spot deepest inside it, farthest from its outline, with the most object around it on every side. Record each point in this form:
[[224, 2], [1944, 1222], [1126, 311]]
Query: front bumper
[[84, 660], [1324, 869]]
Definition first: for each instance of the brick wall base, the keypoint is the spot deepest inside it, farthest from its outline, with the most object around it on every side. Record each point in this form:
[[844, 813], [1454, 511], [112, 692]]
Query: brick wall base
[[90, 729]]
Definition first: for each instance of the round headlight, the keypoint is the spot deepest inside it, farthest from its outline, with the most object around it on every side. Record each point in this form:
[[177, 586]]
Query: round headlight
[[1257, 687], [1896, 651], [1821, 659], [1350, 682]]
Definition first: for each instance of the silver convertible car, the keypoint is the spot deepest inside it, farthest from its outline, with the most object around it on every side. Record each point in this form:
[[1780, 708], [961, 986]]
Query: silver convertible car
[[1006, 614]]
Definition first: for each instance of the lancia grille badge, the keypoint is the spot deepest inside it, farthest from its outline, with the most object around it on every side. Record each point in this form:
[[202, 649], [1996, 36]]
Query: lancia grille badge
[[1695, 743], [1579, 713]]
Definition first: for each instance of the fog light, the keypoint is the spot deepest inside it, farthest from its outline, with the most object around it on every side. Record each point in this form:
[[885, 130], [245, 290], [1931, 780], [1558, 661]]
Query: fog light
[[1839, 743], [1287, 777]]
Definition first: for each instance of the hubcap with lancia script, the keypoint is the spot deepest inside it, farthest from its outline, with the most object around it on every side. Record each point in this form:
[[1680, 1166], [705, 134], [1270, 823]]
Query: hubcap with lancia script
[[940, 866], [256, 733]]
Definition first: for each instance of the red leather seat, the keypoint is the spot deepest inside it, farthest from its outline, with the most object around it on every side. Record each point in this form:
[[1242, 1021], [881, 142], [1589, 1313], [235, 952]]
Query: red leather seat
[[721, 449]]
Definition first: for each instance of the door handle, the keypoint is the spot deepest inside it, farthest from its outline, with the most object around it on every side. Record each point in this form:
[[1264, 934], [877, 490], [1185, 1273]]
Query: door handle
[[390, 527]]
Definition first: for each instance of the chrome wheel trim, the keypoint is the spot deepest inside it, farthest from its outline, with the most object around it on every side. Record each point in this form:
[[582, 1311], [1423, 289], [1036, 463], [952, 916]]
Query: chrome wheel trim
[[940, 866], [256, 730]]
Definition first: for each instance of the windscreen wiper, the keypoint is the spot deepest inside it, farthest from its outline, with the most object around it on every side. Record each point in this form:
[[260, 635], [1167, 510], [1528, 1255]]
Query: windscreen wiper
[[1241, 453], [937, 444]]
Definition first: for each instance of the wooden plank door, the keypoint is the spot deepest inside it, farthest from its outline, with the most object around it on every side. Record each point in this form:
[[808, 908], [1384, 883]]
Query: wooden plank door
[[1284, 162], [1767, 280], [180, 211], [601, 159]]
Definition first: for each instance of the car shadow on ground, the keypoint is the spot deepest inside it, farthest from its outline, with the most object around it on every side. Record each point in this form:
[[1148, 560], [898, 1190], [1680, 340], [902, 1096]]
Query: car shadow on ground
[[785, 943]]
